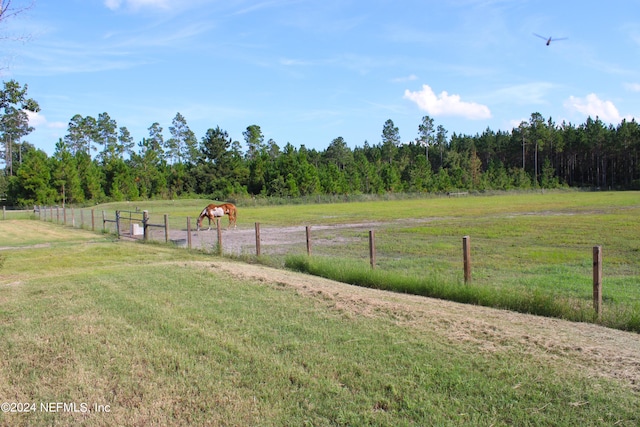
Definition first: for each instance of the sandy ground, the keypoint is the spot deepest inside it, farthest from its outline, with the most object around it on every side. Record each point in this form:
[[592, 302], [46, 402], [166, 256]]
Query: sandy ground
[[273, 240]]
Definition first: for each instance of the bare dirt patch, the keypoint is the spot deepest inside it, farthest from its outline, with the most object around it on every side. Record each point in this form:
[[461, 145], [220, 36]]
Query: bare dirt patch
[[273, 240], [599, 351], [36, 246]]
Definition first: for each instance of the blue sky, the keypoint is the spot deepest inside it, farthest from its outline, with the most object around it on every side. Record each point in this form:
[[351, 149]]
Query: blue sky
[[309, 71]]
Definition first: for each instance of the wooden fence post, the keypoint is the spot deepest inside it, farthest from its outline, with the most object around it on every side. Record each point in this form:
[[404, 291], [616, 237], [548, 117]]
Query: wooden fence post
[[4, 212], [189, 232], [372, 248], [466, 254], [257, 239], [308, 229], [64, 215], [166, 228], [93, 220], [597, 280], [145, 225], [219, 229]]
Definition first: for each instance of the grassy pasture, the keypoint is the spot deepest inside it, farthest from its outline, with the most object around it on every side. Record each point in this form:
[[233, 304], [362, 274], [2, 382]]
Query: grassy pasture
[[156, 335], [527, 245], [17, 214], [386, 210], [536, 246]]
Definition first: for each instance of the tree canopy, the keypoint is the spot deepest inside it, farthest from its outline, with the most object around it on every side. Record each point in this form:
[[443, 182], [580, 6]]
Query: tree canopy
[[98, 161]]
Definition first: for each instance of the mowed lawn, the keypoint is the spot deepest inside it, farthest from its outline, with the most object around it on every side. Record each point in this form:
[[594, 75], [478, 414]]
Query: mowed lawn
[[105, 332]]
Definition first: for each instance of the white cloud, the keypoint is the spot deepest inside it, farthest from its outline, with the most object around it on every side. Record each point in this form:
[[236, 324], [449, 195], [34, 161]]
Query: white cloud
[[38, 120], [525, 94], [112, 4], [136, 4], [633, 87], [405, 79], [514, 123], [446, 105], [595, 107]]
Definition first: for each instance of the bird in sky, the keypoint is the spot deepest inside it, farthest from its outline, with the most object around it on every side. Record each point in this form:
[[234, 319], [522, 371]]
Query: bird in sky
[[549, 39]]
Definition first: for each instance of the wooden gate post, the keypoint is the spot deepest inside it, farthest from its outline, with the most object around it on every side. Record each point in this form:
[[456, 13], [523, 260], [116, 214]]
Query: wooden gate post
[[372, 248], [466, 254], [597, 280], [308, 229], [145, 225], [257, 239]]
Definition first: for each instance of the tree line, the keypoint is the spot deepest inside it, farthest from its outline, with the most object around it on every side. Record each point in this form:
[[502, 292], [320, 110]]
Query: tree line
[[98, 161]]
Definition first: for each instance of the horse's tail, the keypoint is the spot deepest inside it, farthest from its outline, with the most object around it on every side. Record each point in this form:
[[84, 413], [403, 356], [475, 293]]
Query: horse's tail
[[233, 214]]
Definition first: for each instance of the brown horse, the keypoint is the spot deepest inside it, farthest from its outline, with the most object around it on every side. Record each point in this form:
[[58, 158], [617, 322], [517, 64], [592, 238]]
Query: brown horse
[[213, 211]]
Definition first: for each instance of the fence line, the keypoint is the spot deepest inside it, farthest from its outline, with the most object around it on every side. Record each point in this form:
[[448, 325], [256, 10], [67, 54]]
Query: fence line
[[140, 220]]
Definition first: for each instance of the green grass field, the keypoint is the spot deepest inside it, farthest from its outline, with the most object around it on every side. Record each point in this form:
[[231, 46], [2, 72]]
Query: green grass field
[[154, 335], [524, 246]]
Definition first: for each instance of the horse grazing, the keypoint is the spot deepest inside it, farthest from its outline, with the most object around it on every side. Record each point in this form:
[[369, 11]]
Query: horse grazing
[[216, 211]]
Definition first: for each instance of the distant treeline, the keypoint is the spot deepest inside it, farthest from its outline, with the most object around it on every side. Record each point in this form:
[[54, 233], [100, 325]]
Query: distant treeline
[[97, 162]]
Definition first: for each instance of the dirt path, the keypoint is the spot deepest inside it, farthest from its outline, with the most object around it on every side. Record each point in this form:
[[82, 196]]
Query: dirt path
[[273, 240], [598, 350]]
